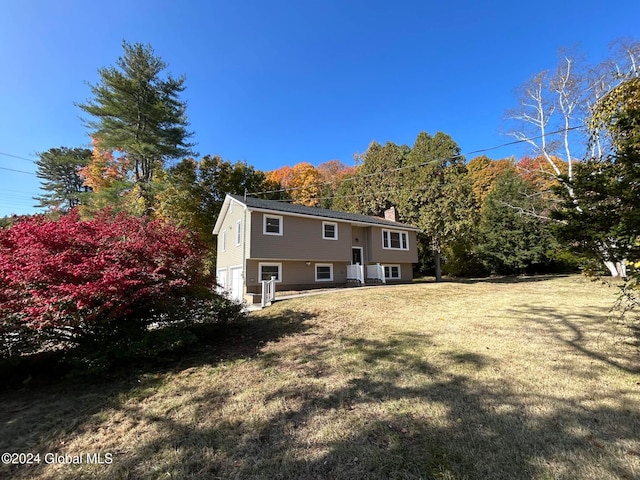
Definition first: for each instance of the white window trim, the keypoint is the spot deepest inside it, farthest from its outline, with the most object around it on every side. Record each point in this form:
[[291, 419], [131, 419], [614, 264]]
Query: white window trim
[[399, 277], [223, 241], [238, 232], [315, 269], [270, 264], [388, 232], [335, 229], [264, 224]]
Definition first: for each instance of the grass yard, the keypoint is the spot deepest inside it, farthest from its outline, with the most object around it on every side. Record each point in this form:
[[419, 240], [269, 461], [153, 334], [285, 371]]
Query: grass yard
[[518, 379]]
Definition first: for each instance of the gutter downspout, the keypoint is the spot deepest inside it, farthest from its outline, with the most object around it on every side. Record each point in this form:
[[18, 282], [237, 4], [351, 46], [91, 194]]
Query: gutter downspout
[[244, 251]]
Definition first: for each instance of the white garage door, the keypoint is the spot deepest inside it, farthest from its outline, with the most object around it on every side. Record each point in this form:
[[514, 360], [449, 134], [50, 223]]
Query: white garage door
[[237, 284]]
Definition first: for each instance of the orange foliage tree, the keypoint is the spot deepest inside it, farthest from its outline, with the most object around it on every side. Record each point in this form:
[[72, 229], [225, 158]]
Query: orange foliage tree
[[106, 176], [103, 169], [539, 172], [302, 181], [484, 171], [332, 174]]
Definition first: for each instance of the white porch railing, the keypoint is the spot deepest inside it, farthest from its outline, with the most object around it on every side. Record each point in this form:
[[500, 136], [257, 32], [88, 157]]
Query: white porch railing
[[376, 272], [268, 291], [355, 272]]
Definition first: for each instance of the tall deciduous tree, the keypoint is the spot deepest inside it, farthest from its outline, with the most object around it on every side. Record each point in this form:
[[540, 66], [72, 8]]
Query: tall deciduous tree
[[436, 194], [59, 170], [193, 192], [138, 113], [302, 182], [374, 188], [332, 174], [562, 101], [483, 173], [608, 223]]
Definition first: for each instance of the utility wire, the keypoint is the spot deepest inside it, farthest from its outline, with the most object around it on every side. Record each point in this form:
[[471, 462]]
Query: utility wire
[[394, 170], [19, 171], [16, 156]]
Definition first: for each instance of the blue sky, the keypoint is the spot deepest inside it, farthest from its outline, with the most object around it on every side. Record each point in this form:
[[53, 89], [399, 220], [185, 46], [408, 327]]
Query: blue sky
[[281, 82]]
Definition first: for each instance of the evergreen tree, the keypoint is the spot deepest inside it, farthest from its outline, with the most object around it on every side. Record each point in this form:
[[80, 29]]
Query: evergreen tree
[[511, 238], [138, 113], [59, 169]]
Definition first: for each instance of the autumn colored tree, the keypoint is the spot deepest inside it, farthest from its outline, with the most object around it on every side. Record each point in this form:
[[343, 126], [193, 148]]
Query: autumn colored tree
[[59, 169], [302, 182], [540, 175], [137, 113], [305, 184], [107, 177], [483, 173], [281, 176], [332, 174], [67, 281]]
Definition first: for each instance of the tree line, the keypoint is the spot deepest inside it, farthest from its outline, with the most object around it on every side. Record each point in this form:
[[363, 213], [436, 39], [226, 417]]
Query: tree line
[[476, 216]]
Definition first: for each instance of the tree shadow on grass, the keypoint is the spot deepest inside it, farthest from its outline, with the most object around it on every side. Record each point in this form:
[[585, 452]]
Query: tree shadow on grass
[[46, 413], [576, 331], [381, 409], [375, 427], [508, 279]]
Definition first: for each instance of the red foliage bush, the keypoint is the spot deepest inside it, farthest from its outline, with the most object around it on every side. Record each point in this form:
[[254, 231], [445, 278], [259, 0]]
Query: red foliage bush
[[71, 273]]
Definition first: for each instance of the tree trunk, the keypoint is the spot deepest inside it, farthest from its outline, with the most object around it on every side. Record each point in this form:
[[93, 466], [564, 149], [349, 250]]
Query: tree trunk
[[616, 269]]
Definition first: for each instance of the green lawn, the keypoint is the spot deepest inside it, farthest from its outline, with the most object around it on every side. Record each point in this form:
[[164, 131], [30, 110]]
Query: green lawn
[[528, 378]]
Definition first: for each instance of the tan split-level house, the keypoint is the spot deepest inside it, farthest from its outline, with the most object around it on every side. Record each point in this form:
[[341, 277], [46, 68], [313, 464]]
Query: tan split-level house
[[306, 247]]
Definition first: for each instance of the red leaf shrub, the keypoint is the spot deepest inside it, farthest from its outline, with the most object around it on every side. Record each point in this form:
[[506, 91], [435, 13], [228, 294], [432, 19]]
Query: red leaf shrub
[[71, 274]]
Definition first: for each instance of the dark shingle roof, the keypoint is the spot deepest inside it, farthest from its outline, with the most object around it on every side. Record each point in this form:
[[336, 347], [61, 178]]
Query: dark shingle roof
[[286, 207]]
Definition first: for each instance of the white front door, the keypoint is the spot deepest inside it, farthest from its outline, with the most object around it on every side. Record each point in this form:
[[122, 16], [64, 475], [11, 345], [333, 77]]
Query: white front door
[[237, 290]]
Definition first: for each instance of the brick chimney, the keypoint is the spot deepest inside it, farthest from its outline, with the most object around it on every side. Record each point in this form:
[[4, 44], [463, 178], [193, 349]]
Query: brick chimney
[[390, 214]]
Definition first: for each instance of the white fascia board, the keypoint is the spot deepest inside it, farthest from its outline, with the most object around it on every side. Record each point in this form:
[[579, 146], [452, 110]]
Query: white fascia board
[[223, 213], [332, 219]]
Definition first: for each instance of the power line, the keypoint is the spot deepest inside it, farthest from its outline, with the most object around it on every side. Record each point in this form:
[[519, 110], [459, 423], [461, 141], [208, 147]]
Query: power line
[[18, 157], [394, 170], [15, 170]]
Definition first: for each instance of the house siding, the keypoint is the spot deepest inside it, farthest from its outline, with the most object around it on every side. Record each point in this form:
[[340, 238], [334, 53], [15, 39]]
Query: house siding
[[301, 240], [406, 273], [359, 239], [232, 256], [296, 275], [378, 254]]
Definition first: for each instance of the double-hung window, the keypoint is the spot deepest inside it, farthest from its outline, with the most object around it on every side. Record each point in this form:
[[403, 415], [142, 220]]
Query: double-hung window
[[238, 232], [272, 225], [395, 240], [329, 231]]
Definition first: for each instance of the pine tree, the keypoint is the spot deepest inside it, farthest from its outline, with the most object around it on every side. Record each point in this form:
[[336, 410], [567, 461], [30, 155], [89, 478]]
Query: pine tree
[[513, 235], [59, 169], [138, 113]]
